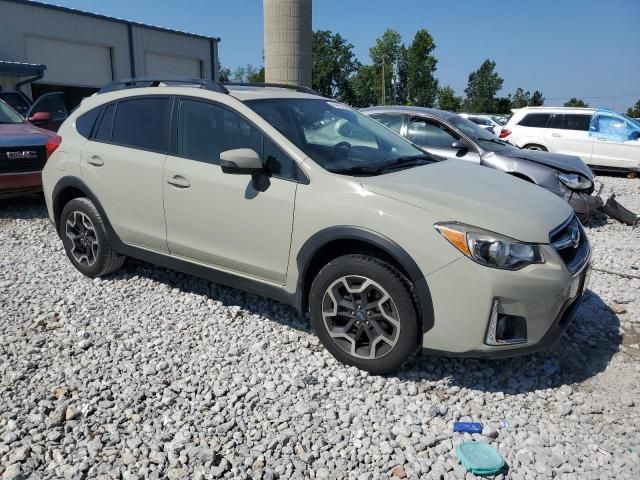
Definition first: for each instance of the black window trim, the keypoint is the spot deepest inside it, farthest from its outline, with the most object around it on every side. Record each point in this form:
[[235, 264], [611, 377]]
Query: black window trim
[[299, 174], [171, 99]]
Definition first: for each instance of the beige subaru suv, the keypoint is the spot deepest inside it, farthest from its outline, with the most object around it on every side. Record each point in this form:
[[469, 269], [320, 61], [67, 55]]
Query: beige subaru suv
[[289, 195]]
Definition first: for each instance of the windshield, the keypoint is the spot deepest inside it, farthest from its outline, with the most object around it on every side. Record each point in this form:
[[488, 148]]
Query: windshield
[[634, 121], [486, 140], [9, 115], [336, 137]]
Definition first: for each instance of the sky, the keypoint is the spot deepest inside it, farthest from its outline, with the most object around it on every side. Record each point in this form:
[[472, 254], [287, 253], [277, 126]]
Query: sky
[[566, 48]]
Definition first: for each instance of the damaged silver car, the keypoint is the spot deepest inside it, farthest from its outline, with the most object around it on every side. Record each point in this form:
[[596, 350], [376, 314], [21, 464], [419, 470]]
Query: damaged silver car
[[449, 135]]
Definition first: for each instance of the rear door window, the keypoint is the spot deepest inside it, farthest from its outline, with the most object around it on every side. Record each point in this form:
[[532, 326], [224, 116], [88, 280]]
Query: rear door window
[[578, 122], [535, 120], [143, 123], [430, 133], [394, 122]]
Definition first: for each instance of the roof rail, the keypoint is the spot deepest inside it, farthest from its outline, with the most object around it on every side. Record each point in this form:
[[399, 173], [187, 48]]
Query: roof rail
[[297, 88], [156, 82]]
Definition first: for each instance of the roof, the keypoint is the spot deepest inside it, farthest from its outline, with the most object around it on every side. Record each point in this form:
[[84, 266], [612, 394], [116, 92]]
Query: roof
[[109, 18], [244, 93], [21, 68], [555, 109], [409, 110]]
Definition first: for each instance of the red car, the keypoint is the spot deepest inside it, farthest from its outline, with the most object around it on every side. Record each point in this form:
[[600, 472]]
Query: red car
[[24, 149]]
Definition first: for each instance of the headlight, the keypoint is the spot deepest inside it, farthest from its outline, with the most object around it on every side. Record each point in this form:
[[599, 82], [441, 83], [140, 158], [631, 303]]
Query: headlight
[[574, 181], [488, 248]]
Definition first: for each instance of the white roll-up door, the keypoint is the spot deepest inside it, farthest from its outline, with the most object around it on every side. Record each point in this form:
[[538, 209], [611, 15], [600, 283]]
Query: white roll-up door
[[70, 63], [170, 66]]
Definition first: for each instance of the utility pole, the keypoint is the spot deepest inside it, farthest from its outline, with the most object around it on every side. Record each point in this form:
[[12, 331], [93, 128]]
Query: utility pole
[[383, 83]]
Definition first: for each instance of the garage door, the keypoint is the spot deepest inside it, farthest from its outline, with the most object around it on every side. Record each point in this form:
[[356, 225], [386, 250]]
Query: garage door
[[70, 63], [172, 66]]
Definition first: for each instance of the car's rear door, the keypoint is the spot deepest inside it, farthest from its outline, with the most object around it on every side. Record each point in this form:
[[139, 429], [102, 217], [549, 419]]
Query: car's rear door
[[237, 223], [568, 133], [436, 137], [122, 163]]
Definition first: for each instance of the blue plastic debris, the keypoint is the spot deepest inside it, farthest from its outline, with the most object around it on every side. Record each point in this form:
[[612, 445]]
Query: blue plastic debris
[[468, 427], [480, 458]]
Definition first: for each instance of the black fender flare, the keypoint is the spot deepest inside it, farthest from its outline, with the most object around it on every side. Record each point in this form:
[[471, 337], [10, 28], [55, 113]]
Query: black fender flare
[[391, 248], [78, 184]]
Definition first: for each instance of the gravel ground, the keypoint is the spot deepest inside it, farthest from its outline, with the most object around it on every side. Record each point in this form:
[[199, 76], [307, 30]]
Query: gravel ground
[[154, 374]]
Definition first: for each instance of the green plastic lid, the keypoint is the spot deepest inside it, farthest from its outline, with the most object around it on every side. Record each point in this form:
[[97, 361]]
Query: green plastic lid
[[480, 458]]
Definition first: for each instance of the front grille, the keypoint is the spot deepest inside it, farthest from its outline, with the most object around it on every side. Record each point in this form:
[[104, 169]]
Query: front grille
[[570, 241], [21, 165]]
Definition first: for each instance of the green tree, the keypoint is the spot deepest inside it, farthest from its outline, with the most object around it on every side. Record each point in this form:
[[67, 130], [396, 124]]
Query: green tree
[[224, 74], [482, 87], [248, 73], [537, 100], [575, 102], [386, 56], [634, 111], [333, 65], [363, 86], [520, 99], [421, 85], [447, 99]]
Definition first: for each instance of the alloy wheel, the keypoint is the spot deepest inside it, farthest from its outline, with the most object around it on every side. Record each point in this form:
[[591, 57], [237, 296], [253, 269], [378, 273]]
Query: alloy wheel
[[83, 240], [361, 317]]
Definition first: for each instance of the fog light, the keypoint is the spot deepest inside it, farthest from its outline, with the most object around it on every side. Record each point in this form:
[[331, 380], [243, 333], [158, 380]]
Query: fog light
[[505, 329]]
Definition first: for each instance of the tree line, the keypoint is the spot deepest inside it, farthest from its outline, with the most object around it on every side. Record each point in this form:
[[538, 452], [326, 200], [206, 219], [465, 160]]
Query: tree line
[[402, 75]]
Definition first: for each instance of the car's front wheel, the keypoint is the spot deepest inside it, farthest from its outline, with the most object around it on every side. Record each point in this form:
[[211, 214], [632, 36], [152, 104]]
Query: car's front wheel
[[363, 311], [85, 239]]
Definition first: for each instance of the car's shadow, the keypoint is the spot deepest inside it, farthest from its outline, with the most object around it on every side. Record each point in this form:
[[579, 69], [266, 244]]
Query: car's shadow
[[24, 207], [584, 350]]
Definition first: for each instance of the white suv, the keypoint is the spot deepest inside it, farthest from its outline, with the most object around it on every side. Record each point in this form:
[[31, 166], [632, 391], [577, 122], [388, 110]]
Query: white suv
[[602, 138], [296, 197]]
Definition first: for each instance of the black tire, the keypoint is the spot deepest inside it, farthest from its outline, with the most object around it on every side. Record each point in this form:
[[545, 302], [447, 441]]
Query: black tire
[[535, 146], [401, 306], [104, 259]]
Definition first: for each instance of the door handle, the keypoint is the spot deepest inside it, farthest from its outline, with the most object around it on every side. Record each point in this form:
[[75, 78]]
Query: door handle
[[557, 135], [95, 160], [179, 181]]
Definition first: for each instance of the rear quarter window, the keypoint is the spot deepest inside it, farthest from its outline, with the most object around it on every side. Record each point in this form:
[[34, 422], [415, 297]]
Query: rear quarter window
[[535, 120], [85, 122]]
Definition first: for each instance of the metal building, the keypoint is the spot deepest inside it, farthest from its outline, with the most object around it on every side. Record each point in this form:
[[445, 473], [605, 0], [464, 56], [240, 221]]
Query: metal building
[[45, 48], [287, 41]]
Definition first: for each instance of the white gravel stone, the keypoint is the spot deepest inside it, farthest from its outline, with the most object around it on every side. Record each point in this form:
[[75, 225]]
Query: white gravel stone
[[153, 374]]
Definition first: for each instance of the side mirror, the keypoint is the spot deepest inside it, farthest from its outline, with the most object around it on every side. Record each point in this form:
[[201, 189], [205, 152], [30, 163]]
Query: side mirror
[[460, 144], [635, 135], [242, 161], [40, 117]]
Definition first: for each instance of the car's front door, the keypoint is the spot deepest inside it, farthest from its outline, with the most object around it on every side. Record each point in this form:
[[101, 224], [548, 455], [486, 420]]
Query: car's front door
[[238, 223], [568, 133], [48, 111], [435, 137], [615, 141]]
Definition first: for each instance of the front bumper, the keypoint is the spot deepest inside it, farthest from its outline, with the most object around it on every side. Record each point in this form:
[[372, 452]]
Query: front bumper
[[547, 295], [12, 184]]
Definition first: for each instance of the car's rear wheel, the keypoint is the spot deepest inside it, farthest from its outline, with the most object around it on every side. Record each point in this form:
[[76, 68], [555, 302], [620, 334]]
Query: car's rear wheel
[[534, 146], [363, 311], [85, 239]]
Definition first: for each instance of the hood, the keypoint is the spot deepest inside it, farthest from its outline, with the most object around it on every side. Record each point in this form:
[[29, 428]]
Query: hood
[[557, 161], [22, 135], [454, 190]]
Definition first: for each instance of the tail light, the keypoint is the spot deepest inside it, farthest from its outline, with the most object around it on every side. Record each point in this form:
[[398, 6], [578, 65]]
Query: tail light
[[52, 145], [504, 133]]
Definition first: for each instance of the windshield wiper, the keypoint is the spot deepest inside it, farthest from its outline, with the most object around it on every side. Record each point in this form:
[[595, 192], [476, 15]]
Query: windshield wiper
[[409, 161], [359, 170]]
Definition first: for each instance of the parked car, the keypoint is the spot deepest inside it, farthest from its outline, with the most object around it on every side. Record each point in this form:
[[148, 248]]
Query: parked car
[[603, 139], [24, 149], [290, 195], [450, 135], [488, 122], [48, 111]]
